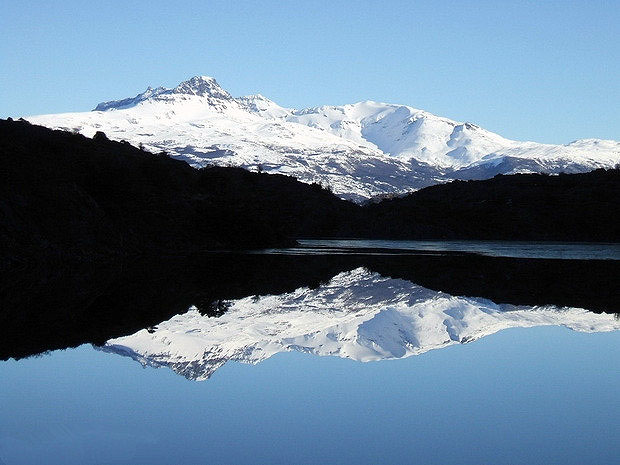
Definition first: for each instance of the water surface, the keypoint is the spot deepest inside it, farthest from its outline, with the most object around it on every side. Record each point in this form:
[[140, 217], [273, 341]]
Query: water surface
[[565, 250], [542, 395], [313, 359]]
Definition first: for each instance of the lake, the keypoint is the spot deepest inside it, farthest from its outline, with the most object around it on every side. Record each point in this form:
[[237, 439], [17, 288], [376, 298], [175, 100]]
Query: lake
[[318, 358], [524, 249]]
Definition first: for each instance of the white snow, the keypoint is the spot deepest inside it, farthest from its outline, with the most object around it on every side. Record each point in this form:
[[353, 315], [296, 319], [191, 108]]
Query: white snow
[[358, 315], [361, 150]]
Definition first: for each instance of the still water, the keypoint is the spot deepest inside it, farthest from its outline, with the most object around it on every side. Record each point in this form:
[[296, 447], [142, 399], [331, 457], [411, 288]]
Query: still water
[[358, 367], [537, 396], [564, 250]]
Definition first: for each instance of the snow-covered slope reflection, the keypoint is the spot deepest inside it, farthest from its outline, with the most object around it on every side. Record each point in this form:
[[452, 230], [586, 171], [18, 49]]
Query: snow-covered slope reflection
[[359, 315]]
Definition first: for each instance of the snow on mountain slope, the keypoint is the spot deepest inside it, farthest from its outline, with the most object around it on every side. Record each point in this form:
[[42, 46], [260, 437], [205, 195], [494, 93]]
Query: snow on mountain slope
[[358, 315], [359, 150], [405, 132]]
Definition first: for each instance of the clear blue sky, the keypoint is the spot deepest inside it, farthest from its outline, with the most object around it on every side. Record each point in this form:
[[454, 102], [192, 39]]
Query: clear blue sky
[[546, 71]]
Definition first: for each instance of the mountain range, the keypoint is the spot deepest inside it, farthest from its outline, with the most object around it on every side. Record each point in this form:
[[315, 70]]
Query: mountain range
[[359, 151], [358, 314]]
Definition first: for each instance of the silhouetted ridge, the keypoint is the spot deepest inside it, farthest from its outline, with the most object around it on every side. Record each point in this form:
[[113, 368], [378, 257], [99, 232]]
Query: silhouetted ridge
[[65, 195], [576, 207]]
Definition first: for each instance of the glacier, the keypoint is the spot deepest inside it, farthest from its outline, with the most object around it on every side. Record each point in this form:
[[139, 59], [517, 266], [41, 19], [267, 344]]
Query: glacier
[[359, 315], [359, 151]]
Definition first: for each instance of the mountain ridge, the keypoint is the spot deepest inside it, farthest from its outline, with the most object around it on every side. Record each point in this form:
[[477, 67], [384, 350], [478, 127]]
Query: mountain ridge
[[360, 150]]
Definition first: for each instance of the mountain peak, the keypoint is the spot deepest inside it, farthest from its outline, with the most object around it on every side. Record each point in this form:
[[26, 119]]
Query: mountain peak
[[257, 103], [371, 148], [202, 86], [131, 101]]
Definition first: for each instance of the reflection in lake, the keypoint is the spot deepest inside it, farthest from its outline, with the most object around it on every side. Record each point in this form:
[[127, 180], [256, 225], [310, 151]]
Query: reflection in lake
[[527, 395], [358, 314], [54, 307]]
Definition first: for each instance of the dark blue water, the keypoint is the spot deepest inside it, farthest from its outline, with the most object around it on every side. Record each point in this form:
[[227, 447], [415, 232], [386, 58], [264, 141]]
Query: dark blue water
[[565, 250], [537, 396]]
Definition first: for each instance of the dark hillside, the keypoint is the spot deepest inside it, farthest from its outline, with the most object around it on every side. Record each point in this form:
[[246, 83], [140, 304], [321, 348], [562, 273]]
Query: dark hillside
[[567, 207], [65, 195], [298, 209]]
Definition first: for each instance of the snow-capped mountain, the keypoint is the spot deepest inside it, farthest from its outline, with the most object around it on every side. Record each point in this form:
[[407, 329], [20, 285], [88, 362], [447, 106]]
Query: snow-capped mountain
[[359, 150], [358, 314]]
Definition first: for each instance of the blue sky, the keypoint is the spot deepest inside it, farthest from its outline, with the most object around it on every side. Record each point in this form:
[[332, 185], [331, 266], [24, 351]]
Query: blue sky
[[545, 71]]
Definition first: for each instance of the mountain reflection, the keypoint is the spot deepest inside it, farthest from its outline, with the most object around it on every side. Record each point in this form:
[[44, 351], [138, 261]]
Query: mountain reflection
[[49, 307], [358, 314]]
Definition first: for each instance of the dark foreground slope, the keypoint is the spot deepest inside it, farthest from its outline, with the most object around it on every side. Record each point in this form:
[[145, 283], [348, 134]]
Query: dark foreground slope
[[568, 207], [65, 195]]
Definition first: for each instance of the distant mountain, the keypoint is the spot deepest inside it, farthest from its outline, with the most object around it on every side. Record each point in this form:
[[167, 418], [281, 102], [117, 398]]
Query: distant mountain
[[358, 314], [360, 151]]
